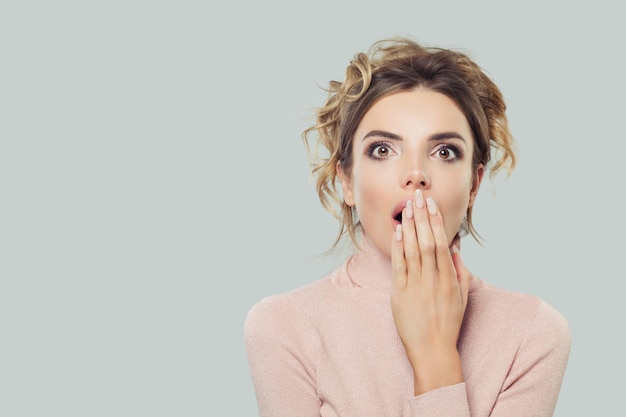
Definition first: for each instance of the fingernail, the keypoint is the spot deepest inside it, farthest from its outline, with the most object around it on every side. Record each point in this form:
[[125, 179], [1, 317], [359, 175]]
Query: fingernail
[[398, 233], [419, 199], [409, 210], [432, 207]]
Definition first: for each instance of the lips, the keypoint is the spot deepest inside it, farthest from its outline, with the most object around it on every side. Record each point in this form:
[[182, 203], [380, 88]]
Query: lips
[[396, 214]]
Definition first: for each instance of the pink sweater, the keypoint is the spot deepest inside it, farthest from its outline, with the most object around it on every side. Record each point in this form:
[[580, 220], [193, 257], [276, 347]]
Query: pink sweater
[[331, 348]]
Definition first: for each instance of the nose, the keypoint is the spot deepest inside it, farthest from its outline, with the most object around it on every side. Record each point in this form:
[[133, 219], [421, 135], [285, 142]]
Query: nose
[[415, 177]]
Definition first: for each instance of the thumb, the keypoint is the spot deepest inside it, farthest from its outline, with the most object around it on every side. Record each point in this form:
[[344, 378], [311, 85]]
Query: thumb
[[462, 274]]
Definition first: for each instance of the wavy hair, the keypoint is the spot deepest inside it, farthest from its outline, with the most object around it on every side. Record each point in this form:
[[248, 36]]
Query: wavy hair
[[390, 66]]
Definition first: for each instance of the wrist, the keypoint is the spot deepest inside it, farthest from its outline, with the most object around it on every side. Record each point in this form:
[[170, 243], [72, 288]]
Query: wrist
[[436, 370]]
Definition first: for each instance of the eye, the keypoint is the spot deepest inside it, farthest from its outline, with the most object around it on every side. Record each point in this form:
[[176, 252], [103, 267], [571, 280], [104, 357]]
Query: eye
[[447, 153], [379, 150]]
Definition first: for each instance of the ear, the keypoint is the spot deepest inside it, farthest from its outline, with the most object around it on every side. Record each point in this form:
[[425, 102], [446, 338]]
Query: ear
[[476, 181], [346, 186]]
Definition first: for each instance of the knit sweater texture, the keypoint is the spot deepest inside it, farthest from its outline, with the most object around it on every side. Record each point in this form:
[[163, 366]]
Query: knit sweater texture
[[330, 348]]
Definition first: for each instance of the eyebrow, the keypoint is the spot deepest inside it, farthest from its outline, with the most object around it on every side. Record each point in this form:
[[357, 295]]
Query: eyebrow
[[434, 136]]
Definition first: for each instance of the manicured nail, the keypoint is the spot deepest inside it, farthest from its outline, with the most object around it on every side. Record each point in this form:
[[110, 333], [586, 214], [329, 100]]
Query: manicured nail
[[399, 233], [409, 209], [419, 199], [432, 207]]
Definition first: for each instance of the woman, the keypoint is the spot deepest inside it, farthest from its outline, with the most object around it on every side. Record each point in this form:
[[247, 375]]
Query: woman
[[403, 328]]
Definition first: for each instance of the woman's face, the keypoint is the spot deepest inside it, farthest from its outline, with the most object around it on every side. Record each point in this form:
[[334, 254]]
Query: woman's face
[[410, 140]]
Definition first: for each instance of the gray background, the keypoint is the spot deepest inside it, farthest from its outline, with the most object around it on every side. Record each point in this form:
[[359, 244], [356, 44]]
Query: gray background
[[153, 186]]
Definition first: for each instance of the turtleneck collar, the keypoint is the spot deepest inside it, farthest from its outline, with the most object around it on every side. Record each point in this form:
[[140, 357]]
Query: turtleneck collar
[[369, 268]]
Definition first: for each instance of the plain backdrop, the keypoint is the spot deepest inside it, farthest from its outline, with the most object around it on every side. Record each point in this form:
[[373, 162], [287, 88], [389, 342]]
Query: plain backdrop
[[154, 186]]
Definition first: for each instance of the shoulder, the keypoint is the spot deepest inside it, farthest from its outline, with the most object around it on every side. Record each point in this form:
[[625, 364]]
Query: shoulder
[[278, 329], [282, 313], [516, 345], [526, 314]]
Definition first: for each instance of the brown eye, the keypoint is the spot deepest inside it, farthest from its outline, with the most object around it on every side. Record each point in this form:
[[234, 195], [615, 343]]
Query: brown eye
[[382, 151], [447, 153]]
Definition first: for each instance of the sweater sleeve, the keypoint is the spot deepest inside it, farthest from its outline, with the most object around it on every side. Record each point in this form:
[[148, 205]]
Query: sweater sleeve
[[532, 385], [448, 401], [281, 351]]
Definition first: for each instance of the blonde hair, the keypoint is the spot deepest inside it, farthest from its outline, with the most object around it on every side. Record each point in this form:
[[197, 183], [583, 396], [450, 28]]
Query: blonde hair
[[394, 65]]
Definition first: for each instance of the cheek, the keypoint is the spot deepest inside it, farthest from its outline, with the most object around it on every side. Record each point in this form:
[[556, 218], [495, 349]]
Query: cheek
[[454, 206], [370, 190], [374, 197]]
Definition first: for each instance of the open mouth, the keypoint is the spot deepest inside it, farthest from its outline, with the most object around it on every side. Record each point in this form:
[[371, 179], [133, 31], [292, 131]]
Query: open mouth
[[396, 214]]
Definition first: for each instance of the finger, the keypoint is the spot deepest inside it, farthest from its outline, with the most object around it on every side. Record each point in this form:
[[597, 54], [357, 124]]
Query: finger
[[411, 245], [425, 236], [464, 277], [398, 264], [442, 250]]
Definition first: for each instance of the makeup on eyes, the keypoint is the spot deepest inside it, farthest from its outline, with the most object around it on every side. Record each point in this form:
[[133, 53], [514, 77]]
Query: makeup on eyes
[[378, 145], [455, 150], [371, 149]]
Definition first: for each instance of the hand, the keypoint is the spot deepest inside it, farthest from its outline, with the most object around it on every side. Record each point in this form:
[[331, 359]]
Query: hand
[[429, 295]]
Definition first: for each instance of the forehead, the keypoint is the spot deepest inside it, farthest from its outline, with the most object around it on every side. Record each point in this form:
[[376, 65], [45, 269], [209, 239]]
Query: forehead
[[416, 113]]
